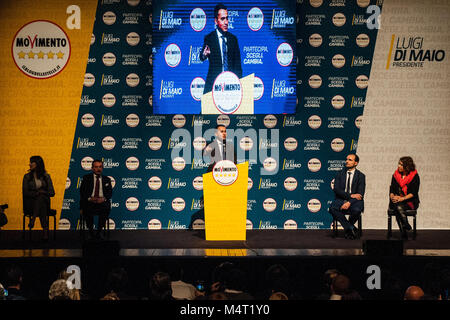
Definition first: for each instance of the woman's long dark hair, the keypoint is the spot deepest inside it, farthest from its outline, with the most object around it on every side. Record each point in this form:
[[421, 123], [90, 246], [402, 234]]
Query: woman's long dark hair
[[408, 164], [40, 166]]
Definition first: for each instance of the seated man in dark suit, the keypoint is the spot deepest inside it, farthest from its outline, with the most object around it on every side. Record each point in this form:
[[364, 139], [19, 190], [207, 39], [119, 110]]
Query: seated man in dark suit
[[349, 188], [95, 197], [220, 148], [221, 48]]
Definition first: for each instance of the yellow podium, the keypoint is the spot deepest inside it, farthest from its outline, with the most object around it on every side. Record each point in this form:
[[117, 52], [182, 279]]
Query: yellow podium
[[226, 205]]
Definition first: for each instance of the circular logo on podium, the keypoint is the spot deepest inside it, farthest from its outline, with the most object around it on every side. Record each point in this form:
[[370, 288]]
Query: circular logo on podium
[[227, 92], [225, 172]]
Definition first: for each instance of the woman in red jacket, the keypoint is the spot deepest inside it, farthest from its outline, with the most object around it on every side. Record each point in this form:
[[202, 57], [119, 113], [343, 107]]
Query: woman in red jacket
[[404, 192]]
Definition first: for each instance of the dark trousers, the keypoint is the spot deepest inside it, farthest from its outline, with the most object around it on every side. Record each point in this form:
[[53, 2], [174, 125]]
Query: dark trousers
[[40, 209], [354, 212], [99, 209], [400, 216]]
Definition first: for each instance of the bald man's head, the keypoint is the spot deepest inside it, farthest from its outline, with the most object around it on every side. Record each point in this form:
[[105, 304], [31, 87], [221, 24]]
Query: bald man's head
[[413, 293]]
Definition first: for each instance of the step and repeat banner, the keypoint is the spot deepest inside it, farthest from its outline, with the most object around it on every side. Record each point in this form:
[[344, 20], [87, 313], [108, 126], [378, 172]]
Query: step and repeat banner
[[155, 160]]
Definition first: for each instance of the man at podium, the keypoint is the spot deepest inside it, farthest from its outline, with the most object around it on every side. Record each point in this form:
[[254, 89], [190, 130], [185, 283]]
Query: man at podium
[[221, 48], [220, 148]]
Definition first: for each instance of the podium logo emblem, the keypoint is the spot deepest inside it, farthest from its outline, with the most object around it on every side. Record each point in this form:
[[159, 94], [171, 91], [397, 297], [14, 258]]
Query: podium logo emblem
[[227, 92], [225, 172]]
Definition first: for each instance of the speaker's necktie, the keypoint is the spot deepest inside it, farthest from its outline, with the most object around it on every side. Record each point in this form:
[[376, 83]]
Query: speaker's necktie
[[224, 150], [347, 188], [224, 53], [97, 187]]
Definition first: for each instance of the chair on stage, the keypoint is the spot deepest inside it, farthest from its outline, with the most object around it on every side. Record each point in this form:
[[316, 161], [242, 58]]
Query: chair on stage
[[335, 226], [82, 226], [51, 213], [408, 213]]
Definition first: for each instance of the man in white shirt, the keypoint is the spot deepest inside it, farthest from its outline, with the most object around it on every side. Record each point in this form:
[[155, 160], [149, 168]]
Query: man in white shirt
[[220, 148]]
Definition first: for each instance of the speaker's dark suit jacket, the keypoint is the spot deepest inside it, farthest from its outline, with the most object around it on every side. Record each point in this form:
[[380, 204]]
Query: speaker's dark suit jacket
[[213, 153], [358, 186], [215, 58], [86, 187]]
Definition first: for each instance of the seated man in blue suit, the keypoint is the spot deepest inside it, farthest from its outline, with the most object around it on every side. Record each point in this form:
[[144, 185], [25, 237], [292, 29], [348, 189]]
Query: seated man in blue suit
[[349, 188]]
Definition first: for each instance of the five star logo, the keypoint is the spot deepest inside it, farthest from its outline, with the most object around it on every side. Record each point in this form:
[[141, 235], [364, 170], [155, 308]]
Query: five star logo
[[225, 172], [41, 49]]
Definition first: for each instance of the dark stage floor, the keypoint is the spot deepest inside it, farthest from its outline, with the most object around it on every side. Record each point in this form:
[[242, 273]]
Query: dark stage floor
[[259, 242]]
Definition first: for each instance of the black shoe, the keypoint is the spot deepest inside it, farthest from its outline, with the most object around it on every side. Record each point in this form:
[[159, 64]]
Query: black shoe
[[99, 236], [404, 235], [356, 231], [91, 235], [407, 226], [350, 234], [31, 224]]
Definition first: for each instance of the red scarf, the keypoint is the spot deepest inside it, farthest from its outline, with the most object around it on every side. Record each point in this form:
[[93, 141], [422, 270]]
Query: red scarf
[[403, 182]]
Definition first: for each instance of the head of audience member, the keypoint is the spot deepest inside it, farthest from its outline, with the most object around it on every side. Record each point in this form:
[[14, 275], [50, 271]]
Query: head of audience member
[[59, 290], [160, 286], [278, 279], [413, 293], [75, 293], [278, 296], [340, 285], [110, 296], [220, 273], [14, 277], [117, 280], [217, 296], [2, 292], [236, 280], [328, 277]]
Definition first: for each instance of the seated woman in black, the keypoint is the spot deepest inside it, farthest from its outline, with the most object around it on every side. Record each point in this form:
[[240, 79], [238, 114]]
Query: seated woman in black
[[37, 189], [404, 192]]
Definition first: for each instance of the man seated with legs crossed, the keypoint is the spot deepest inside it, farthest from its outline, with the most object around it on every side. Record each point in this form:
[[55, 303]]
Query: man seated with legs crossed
[[349, 188]]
